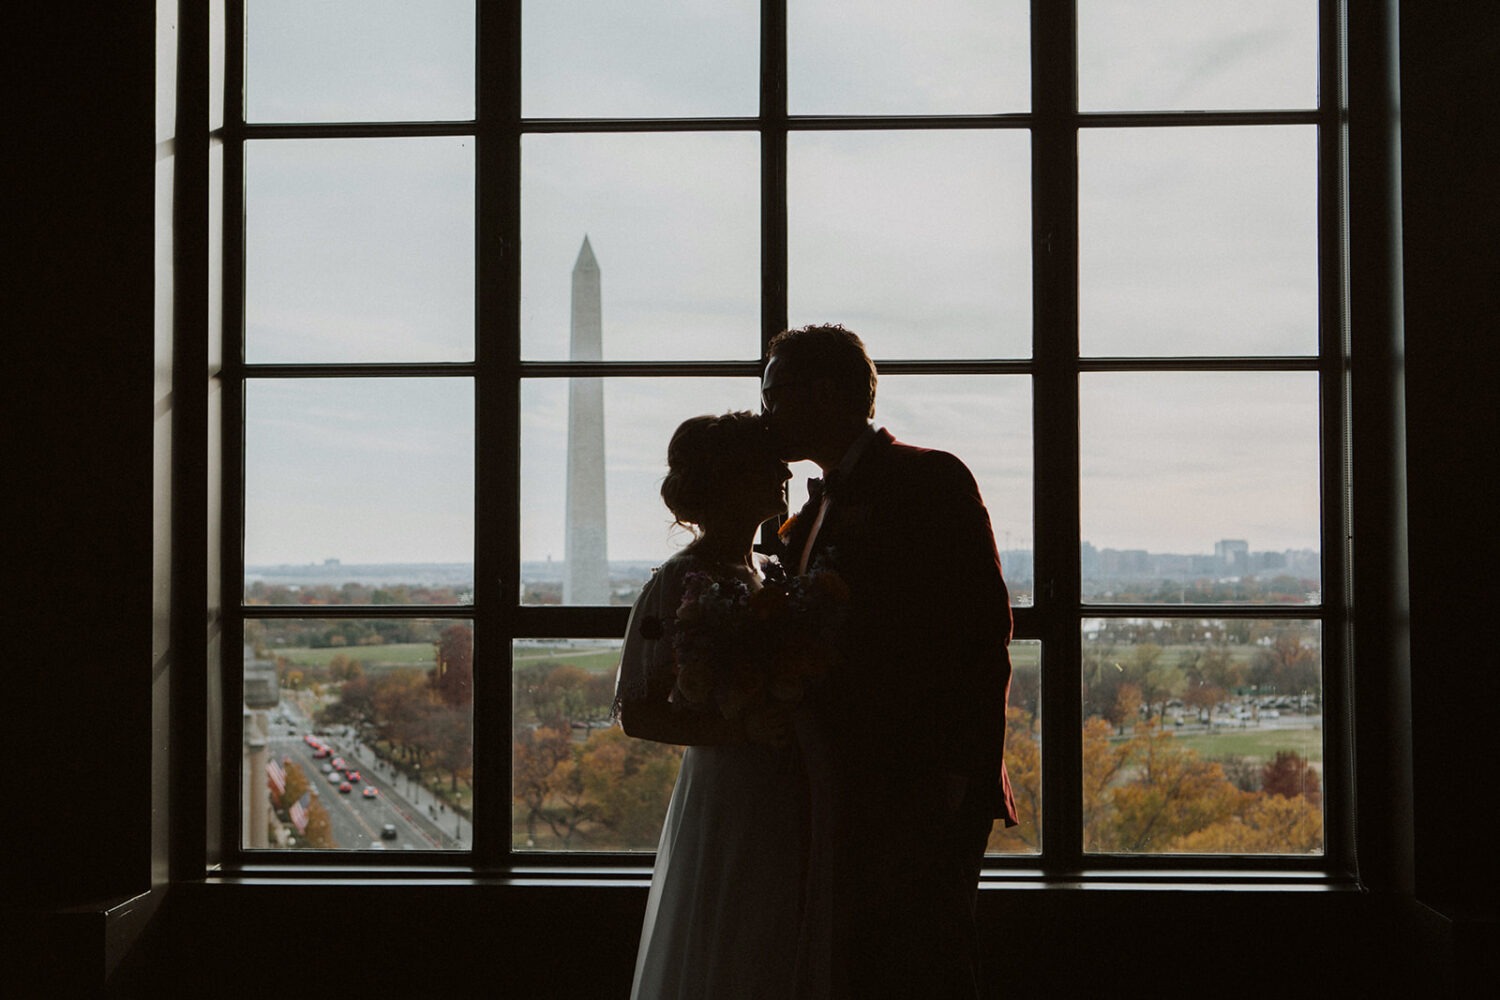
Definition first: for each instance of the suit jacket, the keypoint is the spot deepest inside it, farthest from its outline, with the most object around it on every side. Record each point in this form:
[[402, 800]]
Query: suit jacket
[[926, 672]]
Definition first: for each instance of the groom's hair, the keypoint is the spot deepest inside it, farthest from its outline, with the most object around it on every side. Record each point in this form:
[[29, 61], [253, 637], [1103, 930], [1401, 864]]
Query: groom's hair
[[702, 456], [828, 350]]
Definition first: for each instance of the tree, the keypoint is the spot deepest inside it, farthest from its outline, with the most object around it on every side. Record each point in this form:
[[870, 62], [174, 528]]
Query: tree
[[1269, 824], [1174, 793], [1289, 776], [453, 674], [1023, 761], [537, 756], [631, 783]]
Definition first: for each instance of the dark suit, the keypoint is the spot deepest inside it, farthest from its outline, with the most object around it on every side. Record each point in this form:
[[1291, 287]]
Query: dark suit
[[920, 696]]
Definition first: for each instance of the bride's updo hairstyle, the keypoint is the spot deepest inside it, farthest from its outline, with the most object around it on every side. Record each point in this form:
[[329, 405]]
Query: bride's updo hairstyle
[[703, 453]]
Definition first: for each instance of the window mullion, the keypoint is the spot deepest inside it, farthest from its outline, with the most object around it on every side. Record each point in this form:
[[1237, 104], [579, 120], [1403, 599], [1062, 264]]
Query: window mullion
[[1054, 158], [497, 414]]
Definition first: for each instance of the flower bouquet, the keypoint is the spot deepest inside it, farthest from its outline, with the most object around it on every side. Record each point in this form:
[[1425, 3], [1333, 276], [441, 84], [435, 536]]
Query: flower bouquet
[[737, 648]]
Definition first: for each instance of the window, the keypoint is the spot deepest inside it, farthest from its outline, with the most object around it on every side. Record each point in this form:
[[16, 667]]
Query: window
[[492, 254]]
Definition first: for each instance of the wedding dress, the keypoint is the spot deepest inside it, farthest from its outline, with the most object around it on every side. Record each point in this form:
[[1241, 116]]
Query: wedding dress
[[722, 914]]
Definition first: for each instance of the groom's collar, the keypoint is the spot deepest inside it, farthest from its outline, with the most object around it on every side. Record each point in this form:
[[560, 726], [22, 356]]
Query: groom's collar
[[856, 449]]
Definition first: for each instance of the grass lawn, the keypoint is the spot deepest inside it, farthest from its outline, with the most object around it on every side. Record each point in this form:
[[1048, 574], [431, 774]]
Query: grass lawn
[[594, 660], [396, 654], [1260, 744]]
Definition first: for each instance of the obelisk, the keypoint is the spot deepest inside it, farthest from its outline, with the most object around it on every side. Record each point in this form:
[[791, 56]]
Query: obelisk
[[586, 577]]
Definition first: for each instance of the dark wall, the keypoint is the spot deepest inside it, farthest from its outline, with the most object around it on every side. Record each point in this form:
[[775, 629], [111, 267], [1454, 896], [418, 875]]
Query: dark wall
[[79, 598]]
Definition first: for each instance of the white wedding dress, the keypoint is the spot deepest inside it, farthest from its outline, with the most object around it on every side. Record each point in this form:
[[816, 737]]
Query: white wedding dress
[[722, 915]]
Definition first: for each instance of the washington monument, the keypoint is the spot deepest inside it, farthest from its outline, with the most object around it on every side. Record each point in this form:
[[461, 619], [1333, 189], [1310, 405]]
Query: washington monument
[[587, 575]]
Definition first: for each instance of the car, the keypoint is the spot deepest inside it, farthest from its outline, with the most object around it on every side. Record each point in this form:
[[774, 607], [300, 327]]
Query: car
[[321, 752], [352, 775], [369, 792], [345, 788], [334, 777], [327, 768], [339, 763], [388, 832]]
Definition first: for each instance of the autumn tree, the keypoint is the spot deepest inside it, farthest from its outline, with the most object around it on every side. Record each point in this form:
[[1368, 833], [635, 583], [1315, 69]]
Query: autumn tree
[[1173, 792], [630, 781], [1290, 776], [1269, 824], [1023, 761], [453, 673], [545, 782]]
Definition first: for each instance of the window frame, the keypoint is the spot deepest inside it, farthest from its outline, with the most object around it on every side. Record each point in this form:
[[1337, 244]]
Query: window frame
[[1054, 370]]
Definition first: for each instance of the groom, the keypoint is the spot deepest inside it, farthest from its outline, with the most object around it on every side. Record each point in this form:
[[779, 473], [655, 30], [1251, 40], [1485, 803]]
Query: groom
[[908, 734]]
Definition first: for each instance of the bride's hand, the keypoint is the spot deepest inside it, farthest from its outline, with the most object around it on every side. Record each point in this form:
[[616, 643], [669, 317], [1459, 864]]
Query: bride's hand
[[769, 726]]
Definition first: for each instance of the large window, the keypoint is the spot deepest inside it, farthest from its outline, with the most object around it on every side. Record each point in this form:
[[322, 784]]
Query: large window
[[483, 258]]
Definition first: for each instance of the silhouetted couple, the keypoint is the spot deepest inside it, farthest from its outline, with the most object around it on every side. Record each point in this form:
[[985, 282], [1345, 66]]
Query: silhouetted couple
[[825, 839]]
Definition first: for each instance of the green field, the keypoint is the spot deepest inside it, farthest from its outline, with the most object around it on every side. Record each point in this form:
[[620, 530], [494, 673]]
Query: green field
[[588, 658], [1260, 744], [396, 654]]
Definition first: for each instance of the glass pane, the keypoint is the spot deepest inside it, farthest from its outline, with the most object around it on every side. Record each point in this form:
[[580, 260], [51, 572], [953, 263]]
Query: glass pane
[[359, 60], [614, 433], [1202, 737], [1184, 55], [986, 421], [577, 781], [357, 474], [1197, 241], [650, 242], [936, 57], [1023, 752], [645, 59], [1200, 487], [918, 241], [359, 250], [358, 734]]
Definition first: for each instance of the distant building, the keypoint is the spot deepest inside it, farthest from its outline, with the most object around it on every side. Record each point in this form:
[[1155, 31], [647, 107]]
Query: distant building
[[1233, 555]]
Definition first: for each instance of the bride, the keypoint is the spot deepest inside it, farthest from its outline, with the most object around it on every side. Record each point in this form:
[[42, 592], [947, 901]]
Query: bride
[[721, 917]]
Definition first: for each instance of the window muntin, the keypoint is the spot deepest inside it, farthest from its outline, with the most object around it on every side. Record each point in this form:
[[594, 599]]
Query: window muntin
[[1054, 362]]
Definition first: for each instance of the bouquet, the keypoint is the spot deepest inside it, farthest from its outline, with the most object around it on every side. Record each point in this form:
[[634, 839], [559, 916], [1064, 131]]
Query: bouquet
[[737, 648]]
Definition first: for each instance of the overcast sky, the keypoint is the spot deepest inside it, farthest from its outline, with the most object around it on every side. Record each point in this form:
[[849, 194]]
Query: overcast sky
[[1192, 241]]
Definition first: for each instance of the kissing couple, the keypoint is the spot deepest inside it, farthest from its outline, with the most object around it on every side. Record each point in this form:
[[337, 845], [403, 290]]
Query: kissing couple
[[844, 717]]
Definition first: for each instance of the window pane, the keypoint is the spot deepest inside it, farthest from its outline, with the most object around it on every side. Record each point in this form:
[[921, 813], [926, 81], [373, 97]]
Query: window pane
[[672, 224], [1198, 241], [936, 57], [1023, 752], [358, 60], [359, 250], [918, 241], [578, 783], [359, 471], [1202, 737], [1182, 55], [358, 734], [1200, 487], [986, 421], [614, 432], [645, 59]]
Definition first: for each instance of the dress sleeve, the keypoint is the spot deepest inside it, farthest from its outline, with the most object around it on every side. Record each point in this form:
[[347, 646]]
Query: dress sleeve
[[647, 668]]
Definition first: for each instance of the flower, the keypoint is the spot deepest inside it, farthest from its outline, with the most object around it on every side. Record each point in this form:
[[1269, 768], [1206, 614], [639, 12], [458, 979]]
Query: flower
[[736, 648]]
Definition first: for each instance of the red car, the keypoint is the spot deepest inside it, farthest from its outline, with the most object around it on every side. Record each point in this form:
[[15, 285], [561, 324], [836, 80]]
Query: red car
[[352, 775], [339, 763], [321, 752], [345, 787]]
